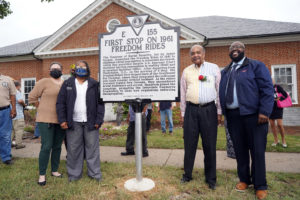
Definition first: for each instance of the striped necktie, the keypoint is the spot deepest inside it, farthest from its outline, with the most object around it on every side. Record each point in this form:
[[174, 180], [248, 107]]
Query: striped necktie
[[230, 85]]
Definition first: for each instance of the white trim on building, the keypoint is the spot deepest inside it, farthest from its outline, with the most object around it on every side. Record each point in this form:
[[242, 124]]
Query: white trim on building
[[27, 85], [286, 76]]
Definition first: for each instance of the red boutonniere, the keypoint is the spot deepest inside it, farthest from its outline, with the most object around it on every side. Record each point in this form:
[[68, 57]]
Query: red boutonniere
[[202, 78]]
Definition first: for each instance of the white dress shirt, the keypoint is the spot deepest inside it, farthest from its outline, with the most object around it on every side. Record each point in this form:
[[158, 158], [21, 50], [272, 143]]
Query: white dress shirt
[[79, 114]]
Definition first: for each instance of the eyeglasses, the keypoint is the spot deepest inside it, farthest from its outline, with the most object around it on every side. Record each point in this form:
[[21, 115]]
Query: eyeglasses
[[236, 47]]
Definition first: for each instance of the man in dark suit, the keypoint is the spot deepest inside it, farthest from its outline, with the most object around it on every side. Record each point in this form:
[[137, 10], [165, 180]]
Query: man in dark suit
[[246, 97]]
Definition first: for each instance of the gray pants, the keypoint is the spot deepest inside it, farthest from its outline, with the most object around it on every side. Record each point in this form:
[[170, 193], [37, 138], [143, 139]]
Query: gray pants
[[83, 143]]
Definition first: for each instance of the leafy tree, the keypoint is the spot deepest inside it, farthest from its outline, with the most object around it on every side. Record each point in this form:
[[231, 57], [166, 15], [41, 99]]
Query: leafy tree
[[5, 8]]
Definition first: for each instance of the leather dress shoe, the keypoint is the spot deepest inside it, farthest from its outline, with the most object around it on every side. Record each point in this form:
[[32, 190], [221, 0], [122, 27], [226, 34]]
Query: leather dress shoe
[[145, 154], [261, 194], [126, 153], [20, 146], [241, 186], [42, 183], [212, 186], [8, 162], [96, 179], [185, 180]]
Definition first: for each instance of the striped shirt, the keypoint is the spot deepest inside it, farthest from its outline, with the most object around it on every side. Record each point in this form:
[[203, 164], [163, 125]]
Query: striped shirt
[[200, 92], [19, 107]]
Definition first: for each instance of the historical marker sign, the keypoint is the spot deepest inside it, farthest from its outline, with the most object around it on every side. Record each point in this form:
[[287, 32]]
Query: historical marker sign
[[139, 60]]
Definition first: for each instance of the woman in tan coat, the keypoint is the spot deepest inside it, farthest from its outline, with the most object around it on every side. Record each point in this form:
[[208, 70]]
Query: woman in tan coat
[[43, 96]]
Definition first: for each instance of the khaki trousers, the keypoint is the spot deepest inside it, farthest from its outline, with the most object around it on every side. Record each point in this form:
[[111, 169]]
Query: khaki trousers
[[18, 130]]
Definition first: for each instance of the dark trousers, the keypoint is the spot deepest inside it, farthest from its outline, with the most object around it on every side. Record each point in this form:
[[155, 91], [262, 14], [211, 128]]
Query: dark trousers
[[247, 135], [131, 136], [201, 120], [148, 119], [51, 138]]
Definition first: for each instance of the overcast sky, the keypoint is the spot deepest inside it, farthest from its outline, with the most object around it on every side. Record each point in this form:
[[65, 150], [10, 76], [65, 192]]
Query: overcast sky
[[32, 19]]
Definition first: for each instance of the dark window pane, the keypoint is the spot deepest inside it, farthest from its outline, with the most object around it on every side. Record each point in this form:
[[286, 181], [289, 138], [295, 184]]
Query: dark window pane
[[289, 79], [288, 71], [26, 99]]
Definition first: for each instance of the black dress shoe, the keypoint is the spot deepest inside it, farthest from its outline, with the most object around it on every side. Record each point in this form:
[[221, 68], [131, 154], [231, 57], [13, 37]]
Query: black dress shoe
[[96, 179], [8, 162], [59, 176], [185, 180], [146, 154], [212, 186], [126, 153], [42, 183], [34, 137]]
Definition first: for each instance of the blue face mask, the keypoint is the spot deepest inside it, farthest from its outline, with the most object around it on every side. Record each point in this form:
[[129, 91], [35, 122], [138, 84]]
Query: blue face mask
[[81, 72]]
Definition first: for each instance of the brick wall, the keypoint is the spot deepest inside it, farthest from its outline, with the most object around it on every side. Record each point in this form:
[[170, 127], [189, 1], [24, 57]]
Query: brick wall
[[22, 69], [270, 54], [90, 30]]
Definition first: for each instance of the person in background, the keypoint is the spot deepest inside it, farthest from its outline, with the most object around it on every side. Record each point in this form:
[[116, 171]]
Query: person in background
[[52, 135], [131, 135], [18, 121], [246, 96], [277, 114], [81, 114], [36, 134], [148, 114], [229, 144], [119, 111], [7, 113], [165, 109], [199, 96]]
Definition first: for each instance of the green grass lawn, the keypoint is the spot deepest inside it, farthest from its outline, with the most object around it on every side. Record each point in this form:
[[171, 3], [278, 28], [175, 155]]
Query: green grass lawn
[[19, 181], [157, 140]]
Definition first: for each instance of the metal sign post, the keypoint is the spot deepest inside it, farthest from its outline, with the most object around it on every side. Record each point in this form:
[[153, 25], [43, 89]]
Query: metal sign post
[[139, 183]]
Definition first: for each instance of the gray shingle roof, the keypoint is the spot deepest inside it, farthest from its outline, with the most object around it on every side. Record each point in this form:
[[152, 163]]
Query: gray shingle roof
[[214, 27], [23, 48]]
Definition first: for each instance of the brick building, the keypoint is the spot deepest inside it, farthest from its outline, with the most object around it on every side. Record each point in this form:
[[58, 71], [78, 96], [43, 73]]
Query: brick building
[[277, 44]]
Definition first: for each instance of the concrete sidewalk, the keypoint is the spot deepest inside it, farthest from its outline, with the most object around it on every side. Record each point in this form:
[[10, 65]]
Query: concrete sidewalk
[[275, 162]]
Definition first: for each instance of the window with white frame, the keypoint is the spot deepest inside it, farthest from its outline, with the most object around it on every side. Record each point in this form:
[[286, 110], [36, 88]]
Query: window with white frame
[[286, 77], [27, 85]]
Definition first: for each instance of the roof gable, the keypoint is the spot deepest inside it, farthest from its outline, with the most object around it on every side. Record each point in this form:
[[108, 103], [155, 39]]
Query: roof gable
[[90, 30], [55, 43]]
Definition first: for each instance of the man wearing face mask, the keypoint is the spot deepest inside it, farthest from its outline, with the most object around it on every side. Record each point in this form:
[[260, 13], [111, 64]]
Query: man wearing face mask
[[246, 97], [43, 96], [81, 114]]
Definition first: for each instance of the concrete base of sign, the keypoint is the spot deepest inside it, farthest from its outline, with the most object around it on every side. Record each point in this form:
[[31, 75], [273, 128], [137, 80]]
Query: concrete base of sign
[[134, 185]]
